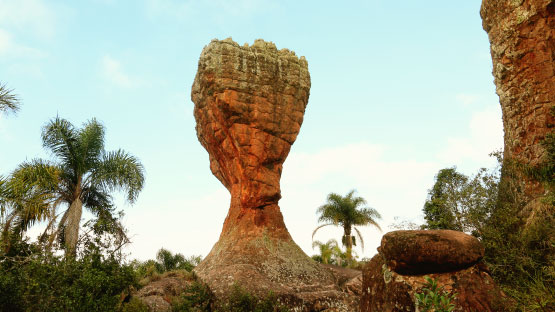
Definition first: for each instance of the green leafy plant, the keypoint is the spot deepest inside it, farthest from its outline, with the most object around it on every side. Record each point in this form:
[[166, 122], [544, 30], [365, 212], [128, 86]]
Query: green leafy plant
[[433, 298]]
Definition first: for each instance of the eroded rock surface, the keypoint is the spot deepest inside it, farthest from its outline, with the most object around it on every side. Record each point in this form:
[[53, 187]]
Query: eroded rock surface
[[384, 289], [249, 107], [522, 37]]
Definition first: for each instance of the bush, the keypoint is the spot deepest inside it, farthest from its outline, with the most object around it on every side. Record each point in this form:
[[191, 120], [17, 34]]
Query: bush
[[35, 280]]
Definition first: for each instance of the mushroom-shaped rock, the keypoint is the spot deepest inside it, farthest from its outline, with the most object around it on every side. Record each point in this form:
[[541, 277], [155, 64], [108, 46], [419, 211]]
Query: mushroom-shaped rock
[[249, 107], [421, 252], [398, 272], [384, 290]]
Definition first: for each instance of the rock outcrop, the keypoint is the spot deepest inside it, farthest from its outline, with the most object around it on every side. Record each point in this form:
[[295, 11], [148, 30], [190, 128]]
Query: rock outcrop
[[393, 276], [522, 37], [157, 294], [249, 107]]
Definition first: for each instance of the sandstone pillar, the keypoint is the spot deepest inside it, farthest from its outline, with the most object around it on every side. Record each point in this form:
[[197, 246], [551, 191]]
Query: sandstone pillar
[[249, 107], [522, 37]]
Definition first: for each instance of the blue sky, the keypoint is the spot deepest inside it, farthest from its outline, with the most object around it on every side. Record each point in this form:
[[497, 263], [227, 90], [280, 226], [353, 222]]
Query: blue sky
[[400, 89]]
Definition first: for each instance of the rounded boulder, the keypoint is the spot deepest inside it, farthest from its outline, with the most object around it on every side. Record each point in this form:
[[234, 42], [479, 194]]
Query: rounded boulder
[[430, 251]]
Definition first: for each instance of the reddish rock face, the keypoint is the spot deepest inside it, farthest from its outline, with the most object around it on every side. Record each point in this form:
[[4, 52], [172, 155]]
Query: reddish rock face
[[422, 252], [249, 107], [388, 287], [522, 37]]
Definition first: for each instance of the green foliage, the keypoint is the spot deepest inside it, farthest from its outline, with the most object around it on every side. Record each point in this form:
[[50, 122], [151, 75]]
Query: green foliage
[[242, 301], [35, 280], [520, 249], [521, 257], [433, 298], [135, 305], [165, 262], [196, 297], [330, 253], [461, 203], [347, 212]]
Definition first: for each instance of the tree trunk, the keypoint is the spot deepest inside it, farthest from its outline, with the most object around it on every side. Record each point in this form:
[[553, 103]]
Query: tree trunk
[[71, 231], [348, 244]]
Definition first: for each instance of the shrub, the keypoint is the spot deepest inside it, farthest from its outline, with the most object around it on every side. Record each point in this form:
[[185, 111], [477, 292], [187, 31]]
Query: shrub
[[433, 298], [242, 301]]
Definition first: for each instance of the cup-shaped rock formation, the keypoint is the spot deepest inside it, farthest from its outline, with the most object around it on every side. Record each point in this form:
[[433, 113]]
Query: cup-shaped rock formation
[[522, 37], [249, 107]]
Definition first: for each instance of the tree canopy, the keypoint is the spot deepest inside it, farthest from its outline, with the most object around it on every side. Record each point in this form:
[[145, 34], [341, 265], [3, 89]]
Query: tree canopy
[[347, 211], [81, 174]]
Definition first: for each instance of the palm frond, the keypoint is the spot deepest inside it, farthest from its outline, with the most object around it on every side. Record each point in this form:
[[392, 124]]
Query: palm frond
[[96, 199], [360, 239], [29, 194], [367, 216], [319, 227], [9, 102], [119, 171], [60, 137], [90, 143]]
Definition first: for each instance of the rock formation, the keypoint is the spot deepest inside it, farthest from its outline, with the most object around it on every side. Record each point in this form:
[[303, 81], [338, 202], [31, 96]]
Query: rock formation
[[393, 276], [158, 294], [249, 107], [522, 37]]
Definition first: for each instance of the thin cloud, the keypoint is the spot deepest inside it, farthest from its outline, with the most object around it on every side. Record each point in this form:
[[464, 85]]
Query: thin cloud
[[219, 8], [10, 48], [114, 73], [28, 15], [467, 99], [484, 135]]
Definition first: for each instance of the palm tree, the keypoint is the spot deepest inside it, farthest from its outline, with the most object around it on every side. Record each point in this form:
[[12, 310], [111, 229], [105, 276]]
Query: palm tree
[[328, 250], [347, 213], [8, 100], [83, 175]]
